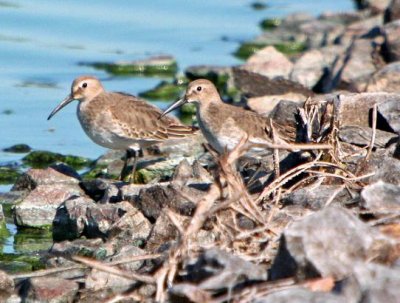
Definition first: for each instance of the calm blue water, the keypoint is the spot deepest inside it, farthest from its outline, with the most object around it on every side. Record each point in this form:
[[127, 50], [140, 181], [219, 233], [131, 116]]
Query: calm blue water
[[42, 42]]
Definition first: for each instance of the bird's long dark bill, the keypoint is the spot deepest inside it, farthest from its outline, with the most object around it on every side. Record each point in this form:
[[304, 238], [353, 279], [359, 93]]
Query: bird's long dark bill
[[173, 106], [63, 103]]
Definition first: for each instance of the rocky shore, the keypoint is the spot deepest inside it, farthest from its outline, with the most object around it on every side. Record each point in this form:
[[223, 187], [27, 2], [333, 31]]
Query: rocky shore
[[324, 226]]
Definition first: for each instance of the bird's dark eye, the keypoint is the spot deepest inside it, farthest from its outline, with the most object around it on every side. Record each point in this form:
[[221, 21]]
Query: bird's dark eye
[[199, 88], [84, 85]]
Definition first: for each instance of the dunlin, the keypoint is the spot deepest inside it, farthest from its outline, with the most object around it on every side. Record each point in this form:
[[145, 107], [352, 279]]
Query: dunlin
[[223, 125], [120, 121]]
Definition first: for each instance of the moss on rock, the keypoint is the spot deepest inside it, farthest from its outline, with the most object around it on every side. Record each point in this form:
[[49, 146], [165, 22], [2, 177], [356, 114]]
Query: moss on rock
[[270, 23], [164, 91], [8, 175], [41, 159]]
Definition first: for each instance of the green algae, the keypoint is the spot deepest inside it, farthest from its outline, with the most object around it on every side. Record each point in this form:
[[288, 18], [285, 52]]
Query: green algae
[[42, 159], [162, 67], [164, 91], [18, 149], [8, 175], [270, 23]]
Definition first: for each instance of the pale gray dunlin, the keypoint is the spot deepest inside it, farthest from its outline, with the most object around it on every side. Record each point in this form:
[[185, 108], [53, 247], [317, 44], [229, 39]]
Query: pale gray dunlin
[[223, 125], [120, 121]]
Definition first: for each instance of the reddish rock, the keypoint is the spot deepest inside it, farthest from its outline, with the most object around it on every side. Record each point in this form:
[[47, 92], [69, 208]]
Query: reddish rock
[[49, 289], [392, 41], [34, 177], [269, 62], [387, 79], [38, 209]]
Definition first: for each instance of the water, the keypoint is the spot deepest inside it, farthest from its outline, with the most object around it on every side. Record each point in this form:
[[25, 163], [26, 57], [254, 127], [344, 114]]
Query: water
[[42, 42]]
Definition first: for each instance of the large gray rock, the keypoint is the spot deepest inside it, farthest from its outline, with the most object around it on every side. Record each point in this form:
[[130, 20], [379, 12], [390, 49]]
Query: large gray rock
[[392, 12], [255, 85], [299, 294], [32, 178], [316, 198], [361, 136], [357, 65], [133, 226], [94, 248], [392, 43], [387, 79], [49, 289], [327, 243], [152, 200], [362, 104], [97, 279], [321, 32], [309, 68], [38, 209], [82, 217], [390, 111], [6, 286], [270, 63], [381, 197]]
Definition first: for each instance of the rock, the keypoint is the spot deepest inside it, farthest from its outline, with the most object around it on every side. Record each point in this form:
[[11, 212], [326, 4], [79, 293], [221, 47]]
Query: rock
[[163, 233], [71, 218], [132, 227], [392, 12], [309, 69], [102, 190], [365, 28], [186, 174], [378, 283], [270, 63], [392, 45], [57, 174], [361, 136], [390, 111], [381, 197], [130, 192], [256, 85], [82, 217], [299, 294], [97, 280], [38, 209], [42, 159], [320, 32], [163, 65], [362, 105], [285, 113], [18, 149], [376, 6], [48, 289], [160, 169], [385, 168], [265, 104], [94, 248], [6, 286], [327, 243], [387, 79], [153, 199], [317, 198], [359, 63], [216, 269], [342, 17]]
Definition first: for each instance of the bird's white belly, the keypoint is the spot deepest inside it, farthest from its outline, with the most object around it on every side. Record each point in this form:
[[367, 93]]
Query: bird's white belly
[[106, 133]]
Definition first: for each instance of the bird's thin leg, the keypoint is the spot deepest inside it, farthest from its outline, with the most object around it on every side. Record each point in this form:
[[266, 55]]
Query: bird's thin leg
[[134, 155], [124, 168]]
